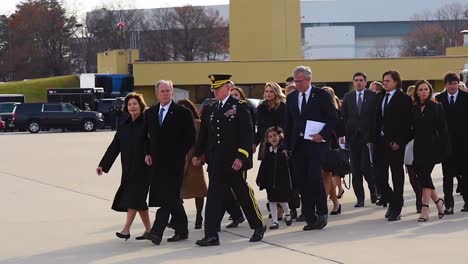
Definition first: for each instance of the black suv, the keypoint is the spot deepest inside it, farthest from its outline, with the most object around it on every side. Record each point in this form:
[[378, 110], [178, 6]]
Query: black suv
[[37, 116], [6, 113]]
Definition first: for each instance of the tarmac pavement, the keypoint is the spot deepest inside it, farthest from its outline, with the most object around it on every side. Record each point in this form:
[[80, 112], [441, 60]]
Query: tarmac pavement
[[55, 209]]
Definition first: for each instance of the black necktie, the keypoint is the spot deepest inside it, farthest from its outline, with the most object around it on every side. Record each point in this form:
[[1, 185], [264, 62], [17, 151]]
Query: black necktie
[[303, 104], [452, 100], [220, 105], [385, 103], [359, 102]]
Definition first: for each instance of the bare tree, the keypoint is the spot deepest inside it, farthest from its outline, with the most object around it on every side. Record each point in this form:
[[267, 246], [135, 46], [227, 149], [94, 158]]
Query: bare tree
[[187, 31], [425, 40], [157, 39], [451, 19], [382, 49], [216, 31]]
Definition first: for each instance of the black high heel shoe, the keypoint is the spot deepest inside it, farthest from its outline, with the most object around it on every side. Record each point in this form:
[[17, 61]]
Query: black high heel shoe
[[198, 222], [123, 236], [443, 211], [422, 219], [337, 212]]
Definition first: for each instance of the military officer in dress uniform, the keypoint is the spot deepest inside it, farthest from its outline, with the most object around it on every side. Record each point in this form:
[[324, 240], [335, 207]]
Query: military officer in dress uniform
[[225, 139]]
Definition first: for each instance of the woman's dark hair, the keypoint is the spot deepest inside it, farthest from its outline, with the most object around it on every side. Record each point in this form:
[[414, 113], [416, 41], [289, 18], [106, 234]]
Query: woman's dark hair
[[136, 96], [188, 104], [416, 98], [395, 76], [278, 130], [241, 92]]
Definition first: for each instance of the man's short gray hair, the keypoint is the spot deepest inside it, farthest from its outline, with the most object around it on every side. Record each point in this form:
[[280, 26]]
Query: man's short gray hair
[[169, 82], [303, 69]]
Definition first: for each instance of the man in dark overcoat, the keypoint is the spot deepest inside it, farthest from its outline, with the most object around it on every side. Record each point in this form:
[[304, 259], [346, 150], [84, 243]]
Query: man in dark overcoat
[[171, 133]]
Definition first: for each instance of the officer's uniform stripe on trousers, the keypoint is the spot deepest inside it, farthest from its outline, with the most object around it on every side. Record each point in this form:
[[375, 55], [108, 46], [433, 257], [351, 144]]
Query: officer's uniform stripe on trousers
[[252, 197]]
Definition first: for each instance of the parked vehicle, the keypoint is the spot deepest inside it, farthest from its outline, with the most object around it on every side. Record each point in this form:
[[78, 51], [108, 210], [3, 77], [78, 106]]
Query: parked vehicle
[[104, 106], [2, 124], [12, 98], [83, 98], [37, 116], [6, 113]]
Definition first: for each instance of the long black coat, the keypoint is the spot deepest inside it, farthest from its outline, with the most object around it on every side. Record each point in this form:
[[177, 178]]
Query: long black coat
[[129, 141], [168, 145], [424, 123], [274, 176], [267, 118], [457, 122]]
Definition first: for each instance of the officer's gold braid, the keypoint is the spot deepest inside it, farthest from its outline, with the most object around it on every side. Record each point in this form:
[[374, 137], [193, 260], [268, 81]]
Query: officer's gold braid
[[252, 197]]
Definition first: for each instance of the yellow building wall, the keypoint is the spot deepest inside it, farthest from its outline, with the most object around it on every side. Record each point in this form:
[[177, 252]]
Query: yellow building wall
[[265, 30], [457, 51], [116, 61], [255, 72]]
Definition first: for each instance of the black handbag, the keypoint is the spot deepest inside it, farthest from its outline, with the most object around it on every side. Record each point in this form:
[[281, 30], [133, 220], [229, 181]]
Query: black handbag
[[336, 160]]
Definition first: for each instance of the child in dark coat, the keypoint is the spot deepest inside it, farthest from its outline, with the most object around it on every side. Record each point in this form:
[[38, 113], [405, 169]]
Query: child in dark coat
[[274, 175]]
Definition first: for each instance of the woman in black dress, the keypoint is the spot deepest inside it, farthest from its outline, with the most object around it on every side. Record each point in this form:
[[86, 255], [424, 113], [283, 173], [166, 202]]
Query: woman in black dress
[[270, 112], [429, 131], [129, 142]]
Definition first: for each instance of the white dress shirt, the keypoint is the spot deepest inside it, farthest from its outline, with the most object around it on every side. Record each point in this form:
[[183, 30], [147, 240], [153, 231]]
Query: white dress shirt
[[455, 95], [307, 94], [166, 109], [389, 98]]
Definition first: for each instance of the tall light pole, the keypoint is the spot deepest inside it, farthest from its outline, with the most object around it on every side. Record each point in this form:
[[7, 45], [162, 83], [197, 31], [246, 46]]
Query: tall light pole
[[10, 50]]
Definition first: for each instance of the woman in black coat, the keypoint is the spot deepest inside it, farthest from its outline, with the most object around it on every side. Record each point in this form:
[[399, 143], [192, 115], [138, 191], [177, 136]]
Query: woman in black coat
[[270, 112], [430, 134], [129, 142]]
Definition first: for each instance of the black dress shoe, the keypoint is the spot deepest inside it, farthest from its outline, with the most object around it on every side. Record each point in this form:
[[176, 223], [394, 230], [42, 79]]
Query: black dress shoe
[[154, 238], [300, 218], [381, 202], [258, 234], [359, 204], [142, 237], [465, 208], [177, 237], [235, 223], [373, 198], [208, 241], [123, 236], [320, 223], [394, 217], [449, 211]]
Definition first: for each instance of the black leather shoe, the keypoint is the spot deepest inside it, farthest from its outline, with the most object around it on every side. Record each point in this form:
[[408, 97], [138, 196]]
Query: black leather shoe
[[154, 238], [394, 217], [465, 208], [381, 202], [300, 218], [373, 198], [258, 234], [177, 237], [449, 211], [320, 223], [235, 223], [142, 237], [388, 213], [359, 204], [208, 241]]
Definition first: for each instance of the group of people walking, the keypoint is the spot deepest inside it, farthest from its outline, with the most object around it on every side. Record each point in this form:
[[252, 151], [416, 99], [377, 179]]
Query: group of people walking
[[301, 139]]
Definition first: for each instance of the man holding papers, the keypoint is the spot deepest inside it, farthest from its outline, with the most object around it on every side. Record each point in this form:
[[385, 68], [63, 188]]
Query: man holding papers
[[309, 103]]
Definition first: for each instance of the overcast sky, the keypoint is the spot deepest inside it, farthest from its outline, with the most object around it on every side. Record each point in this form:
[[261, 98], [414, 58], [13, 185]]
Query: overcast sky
[[8, 6]]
